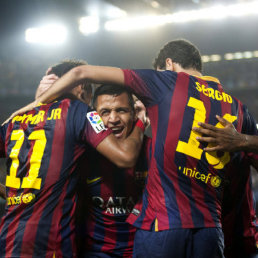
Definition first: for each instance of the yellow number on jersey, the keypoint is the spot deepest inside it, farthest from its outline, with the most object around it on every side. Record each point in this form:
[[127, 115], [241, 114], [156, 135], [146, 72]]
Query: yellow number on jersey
[[191, 148], [32, 180], [212, 157]]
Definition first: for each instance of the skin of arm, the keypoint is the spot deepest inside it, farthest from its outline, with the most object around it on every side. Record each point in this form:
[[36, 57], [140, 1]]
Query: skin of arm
[[123, 153], [227, 138], [2, 191], [77, 75]]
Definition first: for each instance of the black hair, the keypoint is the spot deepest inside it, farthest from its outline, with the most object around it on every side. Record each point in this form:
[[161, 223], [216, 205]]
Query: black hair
[[66, 65], [115, 90], [181, 51]]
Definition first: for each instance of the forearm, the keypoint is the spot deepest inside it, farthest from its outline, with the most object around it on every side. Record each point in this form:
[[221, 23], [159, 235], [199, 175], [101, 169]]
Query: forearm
[[2, 191], [123, 153], [249, 143], [96, 74]]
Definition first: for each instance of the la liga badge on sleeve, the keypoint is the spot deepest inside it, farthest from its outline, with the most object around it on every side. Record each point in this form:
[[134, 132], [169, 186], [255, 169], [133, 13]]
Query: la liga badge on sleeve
[[96, 121]]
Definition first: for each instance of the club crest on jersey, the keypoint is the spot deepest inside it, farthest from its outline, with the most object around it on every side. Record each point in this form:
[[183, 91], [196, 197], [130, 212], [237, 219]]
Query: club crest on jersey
[[96, 121]]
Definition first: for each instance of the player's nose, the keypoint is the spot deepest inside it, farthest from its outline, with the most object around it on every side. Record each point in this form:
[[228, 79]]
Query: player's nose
[[113, 117]]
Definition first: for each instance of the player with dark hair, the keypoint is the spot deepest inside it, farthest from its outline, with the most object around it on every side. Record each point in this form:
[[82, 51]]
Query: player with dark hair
[[180, 215], [111, 192], [42, 148]]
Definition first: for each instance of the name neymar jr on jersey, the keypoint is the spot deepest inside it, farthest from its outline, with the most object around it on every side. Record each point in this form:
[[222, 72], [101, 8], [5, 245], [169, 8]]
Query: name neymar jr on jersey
[[35, 119], [214, 94]]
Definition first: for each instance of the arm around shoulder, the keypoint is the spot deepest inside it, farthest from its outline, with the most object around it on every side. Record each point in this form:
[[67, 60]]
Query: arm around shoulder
[[123, 153]]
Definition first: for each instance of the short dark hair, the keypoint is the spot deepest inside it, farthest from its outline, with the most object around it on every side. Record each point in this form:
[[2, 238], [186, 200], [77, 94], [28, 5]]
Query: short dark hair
[[181, 51], [115, 90], [66, 65]]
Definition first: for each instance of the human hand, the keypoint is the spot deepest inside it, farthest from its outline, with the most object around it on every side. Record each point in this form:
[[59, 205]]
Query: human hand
[[220, 139], [45, 83], [21, 111], [141, 112]]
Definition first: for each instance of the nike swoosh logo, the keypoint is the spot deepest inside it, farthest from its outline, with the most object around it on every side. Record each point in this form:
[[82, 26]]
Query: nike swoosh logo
[[90, 181]]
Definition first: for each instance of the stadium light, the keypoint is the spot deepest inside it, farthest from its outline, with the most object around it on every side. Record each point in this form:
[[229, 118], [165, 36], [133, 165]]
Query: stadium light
[[136, 23], [212, 13], [230, 56], [52, 34], [89, 24]]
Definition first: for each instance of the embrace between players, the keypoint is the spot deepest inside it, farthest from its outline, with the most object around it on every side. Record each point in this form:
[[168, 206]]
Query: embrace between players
[[188, 191]]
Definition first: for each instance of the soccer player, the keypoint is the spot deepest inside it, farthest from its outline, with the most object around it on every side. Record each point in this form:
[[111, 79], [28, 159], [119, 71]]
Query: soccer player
[[111, 192], [42, 148], [180, 215]]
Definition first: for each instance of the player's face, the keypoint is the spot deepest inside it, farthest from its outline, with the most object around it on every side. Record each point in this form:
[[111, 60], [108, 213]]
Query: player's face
[[116, 114]]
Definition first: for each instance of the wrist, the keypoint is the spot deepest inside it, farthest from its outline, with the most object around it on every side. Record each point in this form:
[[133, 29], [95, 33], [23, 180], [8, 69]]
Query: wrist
[[140, 124]]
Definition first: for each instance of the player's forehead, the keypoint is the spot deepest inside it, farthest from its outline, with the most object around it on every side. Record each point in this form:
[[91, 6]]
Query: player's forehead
[[107, 101]]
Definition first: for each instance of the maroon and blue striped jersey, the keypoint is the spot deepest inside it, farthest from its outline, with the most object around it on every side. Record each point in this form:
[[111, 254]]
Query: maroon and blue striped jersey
[[239, 222], [107, 196], [42, 148], [185, 184]]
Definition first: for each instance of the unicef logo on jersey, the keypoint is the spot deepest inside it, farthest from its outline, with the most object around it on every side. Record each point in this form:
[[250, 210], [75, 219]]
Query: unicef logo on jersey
[[96, 121]]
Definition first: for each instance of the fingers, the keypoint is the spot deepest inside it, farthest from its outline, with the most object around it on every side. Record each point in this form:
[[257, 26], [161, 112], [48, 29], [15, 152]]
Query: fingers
[[51, 78], [204, 131], [206, 139], [210, 149], [222, 120]]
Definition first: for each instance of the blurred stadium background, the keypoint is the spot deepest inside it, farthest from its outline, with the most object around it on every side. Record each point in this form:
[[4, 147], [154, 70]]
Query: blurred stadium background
[[36, 34]]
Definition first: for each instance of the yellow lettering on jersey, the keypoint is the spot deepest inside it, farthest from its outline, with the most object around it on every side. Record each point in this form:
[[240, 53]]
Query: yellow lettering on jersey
[[214, 94], [39, 117], [215, 181], [55, 114]]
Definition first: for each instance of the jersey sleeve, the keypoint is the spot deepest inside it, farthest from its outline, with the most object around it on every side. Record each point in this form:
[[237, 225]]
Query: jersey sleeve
[[249, 127], [2, 140], [150, 85], [89, 127], [249, 123]]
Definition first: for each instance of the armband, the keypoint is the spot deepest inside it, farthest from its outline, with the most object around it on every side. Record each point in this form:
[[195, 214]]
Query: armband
[[140, 124]]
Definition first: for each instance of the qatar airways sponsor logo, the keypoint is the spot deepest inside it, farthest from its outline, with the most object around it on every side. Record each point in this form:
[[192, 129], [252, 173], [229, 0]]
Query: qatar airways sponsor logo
[[215, 181], [114, 205]]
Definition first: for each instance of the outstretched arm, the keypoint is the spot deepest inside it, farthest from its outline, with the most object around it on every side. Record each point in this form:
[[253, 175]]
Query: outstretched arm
[[77, 75], [80, 74], [227, 138]]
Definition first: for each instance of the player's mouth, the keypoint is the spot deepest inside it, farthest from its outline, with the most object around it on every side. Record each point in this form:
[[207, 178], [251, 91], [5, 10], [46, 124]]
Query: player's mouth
[[118, 131]]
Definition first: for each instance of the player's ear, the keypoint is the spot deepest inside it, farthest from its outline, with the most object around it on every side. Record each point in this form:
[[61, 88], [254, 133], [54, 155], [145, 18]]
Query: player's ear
[[169, 64]]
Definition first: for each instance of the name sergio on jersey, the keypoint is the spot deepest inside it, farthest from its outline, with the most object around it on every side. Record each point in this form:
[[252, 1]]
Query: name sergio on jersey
[[114, 205], [214, 94], [55, 114], [215, 181]]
